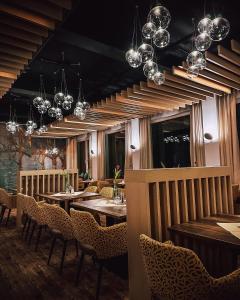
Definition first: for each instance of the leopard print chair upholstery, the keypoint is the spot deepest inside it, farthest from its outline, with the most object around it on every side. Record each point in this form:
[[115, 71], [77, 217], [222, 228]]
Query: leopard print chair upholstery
[[8, 202], [176, 273], [91, 189], [107, 242], [107, 192]]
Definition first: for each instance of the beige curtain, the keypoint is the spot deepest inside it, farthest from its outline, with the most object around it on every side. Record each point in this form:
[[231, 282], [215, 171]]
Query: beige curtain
[[146, 161], [228, 136], [71, 153], [128, 141], [101, 154], [197, 150]]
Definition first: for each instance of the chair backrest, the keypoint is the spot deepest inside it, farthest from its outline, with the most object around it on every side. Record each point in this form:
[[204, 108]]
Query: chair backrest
[[174, 272], [107, 192], [103, 183], [85, 227], [58, 219], [31, 206], [21, 201], [7, 199], [91, 189]]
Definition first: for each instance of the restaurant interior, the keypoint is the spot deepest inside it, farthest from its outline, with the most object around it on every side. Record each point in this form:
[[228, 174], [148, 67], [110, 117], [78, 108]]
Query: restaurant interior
[[119, 150]]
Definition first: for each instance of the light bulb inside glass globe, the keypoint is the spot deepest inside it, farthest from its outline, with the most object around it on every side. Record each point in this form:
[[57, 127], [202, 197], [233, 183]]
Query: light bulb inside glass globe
[[37, 101], [52, 112], [55, 151], [69, 98], [194, 58], [204, 25], [146, 51], [160, 16], [47, 103], [43, 128], [161, 38], [148, 30], [85, 106], [59, 117], [31, 123], [59, 98], [159, 78], [135, 60], [129, 54], [150, 66], [203, 41], [42, 109], [202, 63], [151, 74], [219, 29], [66, 105], [58, 110], [79, 104], [192, 72]]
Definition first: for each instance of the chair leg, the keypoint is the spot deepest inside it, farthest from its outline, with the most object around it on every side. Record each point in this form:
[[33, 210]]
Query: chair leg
[[24, 225], [79, 268], [51, 249], [63, 255], [9, 212], [38, 237], [76, 245], [32, 232], [28, 228], [99, 279], [2, 214]]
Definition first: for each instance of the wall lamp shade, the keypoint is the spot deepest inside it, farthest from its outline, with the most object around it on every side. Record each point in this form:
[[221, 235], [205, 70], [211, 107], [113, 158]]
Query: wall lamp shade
[[92, 152], [132, 147], [208, 136]]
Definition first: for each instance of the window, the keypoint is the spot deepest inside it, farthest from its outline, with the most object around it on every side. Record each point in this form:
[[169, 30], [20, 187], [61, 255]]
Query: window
[[170, 142], [82, 156], [115, 152]]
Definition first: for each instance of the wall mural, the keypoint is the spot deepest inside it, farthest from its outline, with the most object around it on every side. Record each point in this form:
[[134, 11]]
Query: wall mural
[[18, 152]]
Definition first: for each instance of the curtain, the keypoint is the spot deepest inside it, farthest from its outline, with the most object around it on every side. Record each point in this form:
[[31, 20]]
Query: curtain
[[101, 154], [146, 161], [71, 153], [228, 136], [197, 150], [128, 142]]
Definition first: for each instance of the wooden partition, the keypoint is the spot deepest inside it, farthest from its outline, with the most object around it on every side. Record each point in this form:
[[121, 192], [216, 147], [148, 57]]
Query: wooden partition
[[45, 181], [159, 198]]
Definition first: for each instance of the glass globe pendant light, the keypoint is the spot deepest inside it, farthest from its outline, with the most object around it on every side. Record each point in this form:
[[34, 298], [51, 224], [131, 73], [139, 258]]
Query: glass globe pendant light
[[159, 78], [161, 38], [204, 25], [159, 16], [12, 126], [148, 30], [150, 68], [146, 52], [219, 29], [203, 41], [82, 106]]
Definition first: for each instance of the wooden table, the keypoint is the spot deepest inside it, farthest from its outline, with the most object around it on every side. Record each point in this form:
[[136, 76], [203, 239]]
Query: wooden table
[[67, 198], [103, 206], [217, 248]]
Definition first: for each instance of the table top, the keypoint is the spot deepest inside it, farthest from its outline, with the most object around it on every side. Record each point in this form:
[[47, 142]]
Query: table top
[[208, 229], [103, 206], [67, 196]]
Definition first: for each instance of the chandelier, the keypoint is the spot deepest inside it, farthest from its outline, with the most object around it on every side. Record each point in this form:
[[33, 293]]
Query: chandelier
[[12, 126], [155, 31], [52, 151], [82, 107], [209, 30]]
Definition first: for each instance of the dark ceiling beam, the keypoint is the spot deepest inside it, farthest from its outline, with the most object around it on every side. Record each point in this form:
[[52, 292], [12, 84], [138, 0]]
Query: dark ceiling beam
[[27, 92], [91, 45]]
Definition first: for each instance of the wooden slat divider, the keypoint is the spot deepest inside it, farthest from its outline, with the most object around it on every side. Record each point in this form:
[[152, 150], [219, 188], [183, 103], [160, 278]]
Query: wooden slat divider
[[160, 198]]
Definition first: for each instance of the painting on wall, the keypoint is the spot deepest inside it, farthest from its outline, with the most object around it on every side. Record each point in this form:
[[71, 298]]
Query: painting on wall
[[18, 152]]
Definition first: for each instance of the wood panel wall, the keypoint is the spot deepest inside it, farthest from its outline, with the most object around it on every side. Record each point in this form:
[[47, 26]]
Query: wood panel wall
[[45, 181], [160, 198]]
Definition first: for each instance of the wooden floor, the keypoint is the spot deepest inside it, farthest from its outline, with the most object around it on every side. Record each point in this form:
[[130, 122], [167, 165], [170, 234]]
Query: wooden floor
[[24, 274]]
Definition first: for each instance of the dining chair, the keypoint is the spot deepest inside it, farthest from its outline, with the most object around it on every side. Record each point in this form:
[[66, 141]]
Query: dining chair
[[8, 202], [177, 273], [107, 192], [60, 225], [102, 243], [91, 189], [103, 183], [22, 205]]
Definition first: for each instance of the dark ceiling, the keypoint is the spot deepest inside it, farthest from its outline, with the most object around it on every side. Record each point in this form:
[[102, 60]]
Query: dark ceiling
[[97, 34]]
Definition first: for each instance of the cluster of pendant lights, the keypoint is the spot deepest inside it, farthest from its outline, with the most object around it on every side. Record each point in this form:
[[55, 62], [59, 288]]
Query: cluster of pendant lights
[[209, 31], [52, 151], [12, 125], [155, 31], [176, 139]]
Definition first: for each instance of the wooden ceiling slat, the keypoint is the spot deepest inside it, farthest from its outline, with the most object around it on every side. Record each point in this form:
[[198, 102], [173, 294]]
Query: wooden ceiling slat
[[25, 15], [18, 43], [235, 46], [200, 80], [78, 127], [8, 69], [15, 51], [116, 113], [229, 55], [191, 83], [5, 84], [6, 80], [222, 72], [10, 64], [13, 58], [20, 34], [67, 4], [51, 11], [215, 59], [8, 75], [72, 119], [23, 25], [179, 92]]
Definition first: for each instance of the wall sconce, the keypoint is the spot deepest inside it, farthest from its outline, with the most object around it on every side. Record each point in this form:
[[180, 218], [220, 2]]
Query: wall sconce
[[132, 147], [92, 152], [208, 137]]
